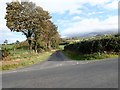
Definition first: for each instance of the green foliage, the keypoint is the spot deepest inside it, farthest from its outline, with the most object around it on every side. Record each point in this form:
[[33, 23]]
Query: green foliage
[[5, 53], [101, 45], [94, 56], [34, 23], [21, 45]]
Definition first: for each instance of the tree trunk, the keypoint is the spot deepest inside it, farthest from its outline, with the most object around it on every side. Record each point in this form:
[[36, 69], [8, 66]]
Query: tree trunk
[[36, 47], [49, 45], [30, 44], [28, 35]]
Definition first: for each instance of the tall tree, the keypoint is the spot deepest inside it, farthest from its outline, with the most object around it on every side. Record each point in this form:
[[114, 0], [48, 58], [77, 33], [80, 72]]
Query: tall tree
[[40, 18], [54, 35], [33, 22], [19, 18]]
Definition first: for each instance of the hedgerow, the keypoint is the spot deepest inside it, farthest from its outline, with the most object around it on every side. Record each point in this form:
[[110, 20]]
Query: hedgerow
[[100, 45]]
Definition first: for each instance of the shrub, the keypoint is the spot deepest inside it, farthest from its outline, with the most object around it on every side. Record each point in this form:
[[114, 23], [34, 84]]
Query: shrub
[[5, 53], [100, 45]]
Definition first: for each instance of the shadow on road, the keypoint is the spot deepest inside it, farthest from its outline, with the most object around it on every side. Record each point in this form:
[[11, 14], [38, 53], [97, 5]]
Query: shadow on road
[[58, 56]]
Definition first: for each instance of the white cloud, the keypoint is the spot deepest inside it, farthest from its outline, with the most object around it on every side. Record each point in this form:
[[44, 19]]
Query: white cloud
[[92, 25], [73, 6], [76, 18], [112, 5], [75, 11], [6, 34], [10, 36], [93, 13], [61, 6]]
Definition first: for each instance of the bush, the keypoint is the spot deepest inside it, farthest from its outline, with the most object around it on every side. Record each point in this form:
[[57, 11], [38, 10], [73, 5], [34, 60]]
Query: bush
[[106, 44], [5, 53]]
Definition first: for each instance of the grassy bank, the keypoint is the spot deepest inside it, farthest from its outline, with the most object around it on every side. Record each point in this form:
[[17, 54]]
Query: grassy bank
[[23, 58], [95, 56]]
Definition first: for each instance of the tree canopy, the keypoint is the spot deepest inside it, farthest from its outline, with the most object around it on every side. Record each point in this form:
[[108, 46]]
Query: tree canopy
[[34, 22]]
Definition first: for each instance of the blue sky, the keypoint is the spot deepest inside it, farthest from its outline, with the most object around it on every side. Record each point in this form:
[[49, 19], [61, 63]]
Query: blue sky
[[71, 16]]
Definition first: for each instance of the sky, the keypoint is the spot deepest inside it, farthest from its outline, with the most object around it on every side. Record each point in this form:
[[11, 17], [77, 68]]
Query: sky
[[73, 17]]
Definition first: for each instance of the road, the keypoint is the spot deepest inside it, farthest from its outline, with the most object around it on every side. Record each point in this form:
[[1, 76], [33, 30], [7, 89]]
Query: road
[[59, 72]]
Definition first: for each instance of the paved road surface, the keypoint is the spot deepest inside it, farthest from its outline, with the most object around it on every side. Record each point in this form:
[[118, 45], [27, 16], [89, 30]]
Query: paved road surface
[[60, 72]]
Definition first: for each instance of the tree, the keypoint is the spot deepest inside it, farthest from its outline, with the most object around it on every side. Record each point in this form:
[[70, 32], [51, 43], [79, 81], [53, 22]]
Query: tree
[[6, 42], [32, 21], [48, 36], [53, 35], [17, 41], [19, 18], [40, 17], [25, 17]]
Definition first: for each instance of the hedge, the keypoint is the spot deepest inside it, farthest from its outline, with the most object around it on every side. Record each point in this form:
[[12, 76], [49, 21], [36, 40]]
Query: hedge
[[106, 44]]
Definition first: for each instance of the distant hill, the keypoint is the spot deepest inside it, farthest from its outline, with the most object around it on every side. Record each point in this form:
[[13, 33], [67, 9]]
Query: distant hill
[[92, 34]]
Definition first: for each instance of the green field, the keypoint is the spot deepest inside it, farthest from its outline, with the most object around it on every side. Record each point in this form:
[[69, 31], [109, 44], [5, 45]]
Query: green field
[[21, 57]]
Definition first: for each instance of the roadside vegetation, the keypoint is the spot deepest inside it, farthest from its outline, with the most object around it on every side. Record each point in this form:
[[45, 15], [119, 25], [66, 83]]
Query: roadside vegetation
[[21, 57], [34, 22], [107, 46], [42, 37]]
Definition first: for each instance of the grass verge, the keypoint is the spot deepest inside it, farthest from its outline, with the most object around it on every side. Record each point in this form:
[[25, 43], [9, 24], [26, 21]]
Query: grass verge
[[21, 59], [95, 56]]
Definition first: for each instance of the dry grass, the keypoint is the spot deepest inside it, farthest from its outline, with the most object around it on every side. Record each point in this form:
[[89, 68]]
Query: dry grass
[[24, 59]]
